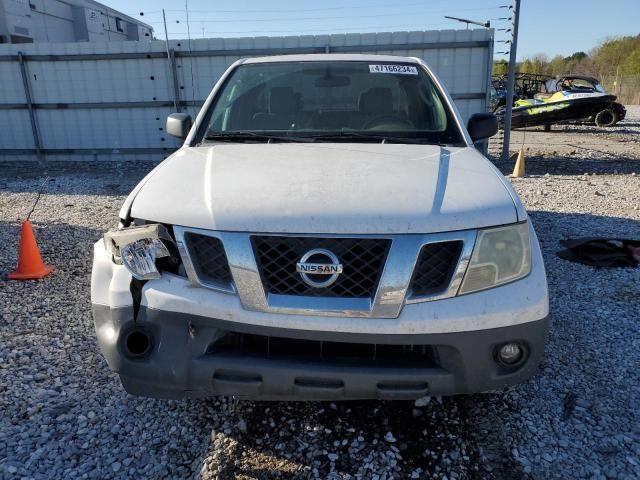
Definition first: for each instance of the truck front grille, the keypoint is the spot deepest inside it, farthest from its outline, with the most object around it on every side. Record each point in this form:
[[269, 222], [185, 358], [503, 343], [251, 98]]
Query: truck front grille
[[363, 260], [209, 259], [435, 267]]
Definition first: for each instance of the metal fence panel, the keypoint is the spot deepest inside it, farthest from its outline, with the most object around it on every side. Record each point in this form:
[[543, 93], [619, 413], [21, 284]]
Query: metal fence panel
[[110, 100]]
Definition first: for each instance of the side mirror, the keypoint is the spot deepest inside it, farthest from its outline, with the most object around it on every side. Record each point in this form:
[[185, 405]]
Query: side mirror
[[482, 125], [178, 125]]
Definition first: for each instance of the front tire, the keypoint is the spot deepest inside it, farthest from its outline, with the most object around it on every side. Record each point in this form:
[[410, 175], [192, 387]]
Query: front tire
[[606, 118]]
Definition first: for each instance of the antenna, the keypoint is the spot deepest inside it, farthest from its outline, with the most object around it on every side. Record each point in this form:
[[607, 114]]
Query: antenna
[[176, 103], [193, 86], [486, 24]]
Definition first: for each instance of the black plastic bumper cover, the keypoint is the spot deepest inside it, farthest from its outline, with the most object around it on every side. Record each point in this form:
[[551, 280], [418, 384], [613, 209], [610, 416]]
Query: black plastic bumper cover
[[180, 363]]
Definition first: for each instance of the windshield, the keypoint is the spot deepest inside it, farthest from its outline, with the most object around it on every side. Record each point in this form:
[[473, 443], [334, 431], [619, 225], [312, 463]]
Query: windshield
[[581, 85], [355, 100]]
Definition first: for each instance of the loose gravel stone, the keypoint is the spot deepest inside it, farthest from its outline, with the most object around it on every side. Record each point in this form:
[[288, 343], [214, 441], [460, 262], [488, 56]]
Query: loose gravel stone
[[63, 413]]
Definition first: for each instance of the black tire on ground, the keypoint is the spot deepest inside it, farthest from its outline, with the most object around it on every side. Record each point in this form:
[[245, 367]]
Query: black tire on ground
[[606, 118], [547, 127]]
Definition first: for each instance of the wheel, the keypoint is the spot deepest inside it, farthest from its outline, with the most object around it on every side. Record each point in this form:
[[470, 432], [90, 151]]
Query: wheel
[[547, 127], [606, 118]]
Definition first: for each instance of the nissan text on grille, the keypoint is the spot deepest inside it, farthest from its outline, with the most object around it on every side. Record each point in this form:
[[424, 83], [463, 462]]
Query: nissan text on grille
[[327, 231]]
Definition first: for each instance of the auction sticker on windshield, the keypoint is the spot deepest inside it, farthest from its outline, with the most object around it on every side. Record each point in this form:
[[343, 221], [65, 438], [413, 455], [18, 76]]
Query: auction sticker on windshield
[[397, 69]]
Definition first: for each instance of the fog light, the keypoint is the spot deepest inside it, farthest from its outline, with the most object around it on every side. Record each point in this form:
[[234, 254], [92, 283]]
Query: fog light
[[510, 353]]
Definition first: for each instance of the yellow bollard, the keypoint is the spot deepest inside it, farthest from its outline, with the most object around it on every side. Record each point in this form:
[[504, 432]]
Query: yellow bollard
[[518, 170]]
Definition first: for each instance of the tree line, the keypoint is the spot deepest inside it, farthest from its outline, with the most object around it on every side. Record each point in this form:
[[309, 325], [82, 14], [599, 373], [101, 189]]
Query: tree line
[[615, 56]]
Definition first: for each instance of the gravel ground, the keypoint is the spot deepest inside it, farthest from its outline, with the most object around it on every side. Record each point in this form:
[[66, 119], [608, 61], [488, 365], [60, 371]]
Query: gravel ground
[[63, 414]]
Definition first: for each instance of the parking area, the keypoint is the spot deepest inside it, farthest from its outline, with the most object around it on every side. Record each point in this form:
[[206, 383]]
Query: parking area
[[63, 413]]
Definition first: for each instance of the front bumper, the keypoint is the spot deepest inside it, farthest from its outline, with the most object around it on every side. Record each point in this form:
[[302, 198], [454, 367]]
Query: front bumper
[[184, 322], [181, 363]]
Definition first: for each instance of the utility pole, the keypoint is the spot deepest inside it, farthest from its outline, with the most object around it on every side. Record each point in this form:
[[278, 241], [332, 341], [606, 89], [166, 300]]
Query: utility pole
[[172, 65], [510, 81], [166, 35]]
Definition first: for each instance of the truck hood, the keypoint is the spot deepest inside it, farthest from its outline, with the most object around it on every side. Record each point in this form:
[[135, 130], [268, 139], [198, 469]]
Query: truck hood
[[345, 188]]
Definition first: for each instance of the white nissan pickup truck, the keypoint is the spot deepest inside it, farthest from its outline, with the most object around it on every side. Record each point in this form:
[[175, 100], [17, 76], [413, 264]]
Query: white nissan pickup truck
[[327, 231]]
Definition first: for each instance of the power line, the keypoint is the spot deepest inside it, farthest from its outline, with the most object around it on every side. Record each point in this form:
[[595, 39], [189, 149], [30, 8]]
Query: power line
[[320, 9], [311, 31], [322, 18]]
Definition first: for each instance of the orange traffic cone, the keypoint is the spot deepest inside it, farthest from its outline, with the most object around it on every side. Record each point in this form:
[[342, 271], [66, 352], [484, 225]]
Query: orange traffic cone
[[30, 265]]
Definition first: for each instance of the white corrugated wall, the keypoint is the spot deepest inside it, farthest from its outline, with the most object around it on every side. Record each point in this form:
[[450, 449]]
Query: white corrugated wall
[[105, 126]]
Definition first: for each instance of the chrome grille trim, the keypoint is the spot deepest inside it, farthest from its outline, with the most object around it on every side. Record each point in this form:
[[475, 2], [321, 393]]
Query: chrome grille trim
[[434, 268], [187, 261], [391, 295], [468, 239]]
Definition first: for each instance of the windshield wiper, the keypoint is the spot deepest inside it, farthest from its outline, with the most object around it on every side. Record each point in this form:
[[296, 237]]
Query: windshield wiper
[[367, 136], [243, 136], [328, 137]]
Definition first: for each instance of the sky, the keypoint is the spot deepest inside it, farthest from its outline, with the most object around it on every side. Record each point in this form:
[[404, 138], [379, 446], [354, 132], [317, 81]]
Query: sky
[[550, 27]]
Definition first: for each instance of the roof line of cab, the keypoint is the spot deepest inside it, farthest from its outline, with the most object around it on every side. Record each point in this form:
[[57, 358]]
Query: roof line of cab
[[310, 57]]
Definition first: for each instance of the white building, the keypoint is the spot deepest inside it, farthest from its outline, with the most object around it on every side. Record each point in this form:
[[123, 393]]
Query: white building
[[52, 21]]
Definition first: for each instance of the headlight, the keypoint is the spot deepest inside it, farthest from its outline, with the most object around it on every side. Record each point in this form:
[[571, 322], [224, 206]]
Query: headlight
[[138, 248], [501, 255]]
